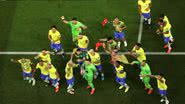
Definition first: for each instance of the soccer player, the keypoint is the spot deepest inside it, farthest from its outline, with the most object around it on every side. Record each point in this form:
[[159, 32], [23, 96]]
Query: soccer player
[[69, 76], [165, 30], [54, 36], [96, 60], [76, 27], [27, 69], [53, 76], [144, 7], [138, 52], [44, 56], [121, 76], [88, 73], [110, 44], [119, 34], [44, 72], [83, 42], [162, 87], [145, 70]]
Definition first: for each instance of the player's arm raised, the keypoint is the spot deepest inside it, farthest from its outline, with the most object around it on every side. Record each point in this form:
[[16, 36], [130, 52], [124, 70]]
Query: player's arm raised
[[64, 20]]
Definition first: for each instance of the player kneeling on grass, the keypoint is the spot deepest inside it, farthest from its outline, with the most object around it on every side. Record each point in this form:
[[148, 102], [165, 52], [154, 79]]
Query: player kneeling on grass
[[54, 36], [27, 70], [44, 72], [96, 60], [83, 42], [162, 87], [145, 70], [53, 76], [121, 76], [119, 34], [166, 32], [144, 10], [69, 76], [44, 56], [89, 70]]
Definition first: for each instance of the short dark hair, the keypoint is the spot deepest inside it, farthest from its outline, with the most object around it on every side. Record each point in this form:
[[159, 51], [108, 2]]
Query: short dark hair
[[161, 21], [139, 44], [88, 58], [78, 49], [118, 62], [109, 38], [161, 15], [74, 18], [161, 74], [54, 27], [44, 49]]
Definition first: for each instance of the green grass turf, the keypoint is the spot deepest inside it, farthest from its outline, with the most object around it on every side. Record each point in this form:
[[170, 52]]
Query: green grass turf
[[24, 27]]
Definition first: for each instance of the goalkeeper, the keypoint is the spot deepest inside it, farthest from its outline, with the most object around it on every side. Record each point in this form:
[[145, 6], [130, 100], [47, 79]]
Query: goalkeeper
[[89, 70]]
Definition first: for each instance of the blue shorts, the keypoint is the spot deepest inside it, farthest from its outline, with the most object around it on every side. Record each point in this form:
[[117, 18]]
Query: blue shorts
[[146, 15], [27, 74], [121, 80], [82, 49], [80, 63], [119, 35], [58, 47], [166, 39], [70, 81], [162, 92], [53, 81], [44, 77], [99, 67]]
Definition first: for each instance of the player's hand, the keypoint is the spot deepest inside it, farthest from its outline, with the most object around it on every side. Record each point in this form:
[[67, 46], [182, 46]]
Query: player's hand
[[62, 17], [78, 29], [12, 60], [158, 32]]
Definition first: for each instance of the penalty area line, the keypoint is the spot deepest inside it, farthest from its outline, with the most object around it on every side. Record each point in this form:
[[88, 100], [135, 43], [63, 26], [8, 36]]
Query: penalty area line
[[102, 53], [140, 29]]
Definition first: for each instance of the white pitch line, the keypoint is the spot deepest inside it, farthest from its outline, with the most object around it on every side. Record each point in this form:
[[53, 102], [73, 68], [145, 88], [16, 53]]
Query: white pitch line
[[140, 29], [102, 53]]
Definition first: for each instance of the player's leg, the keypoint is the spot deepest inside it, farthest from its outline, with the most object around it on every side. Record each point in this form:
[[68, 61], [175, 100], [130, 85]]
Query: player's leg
[[25, 77], [168, 44], [116, 37], [163, 94], [31, 78], [146, 82], [100, 69], [52, 46], [55, 84], [90, 84], [45, 78], [122, 37], [70, 83], [147, 18], [122, 82]]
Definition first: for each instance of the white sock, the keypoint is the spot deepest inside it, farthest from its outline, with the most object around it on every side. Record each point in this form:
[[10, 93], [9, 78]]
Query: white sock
[[169, 45], [125, 43], [149, 21], [119, 44]]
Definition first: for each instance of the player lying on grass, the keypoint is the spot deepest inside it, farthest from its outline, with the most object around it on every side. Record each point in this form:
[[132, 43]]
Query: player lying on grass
[[43, 70], [162, 87], [138, 52], [27, 69], [44, 56], [83, 42], [119, 35], [53, 76], [165, 30], [96, 60], [121, 76], [79, 56], [110, 44], [76, 27], [69, 76], [145, 70], [144, 7], [89, 70]]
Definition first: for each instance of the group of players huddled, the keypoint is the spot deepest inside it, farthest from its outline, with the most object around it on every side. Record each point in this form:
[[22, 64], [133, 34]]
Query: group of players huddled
[[89, 61]]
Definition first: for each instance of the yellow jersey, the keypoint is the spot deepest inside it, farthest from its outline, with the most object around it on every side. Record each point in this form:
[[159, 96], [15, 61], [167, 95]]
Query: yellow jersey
[[52, 72], [167, 20], [55, 37], [145, 6], [26, 65], [69, 71], [43, 69], [162, 85], [166, 28], [45, 58], [120, 73], [118, 27], [96, 60], [140, 54], [83, 42]]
